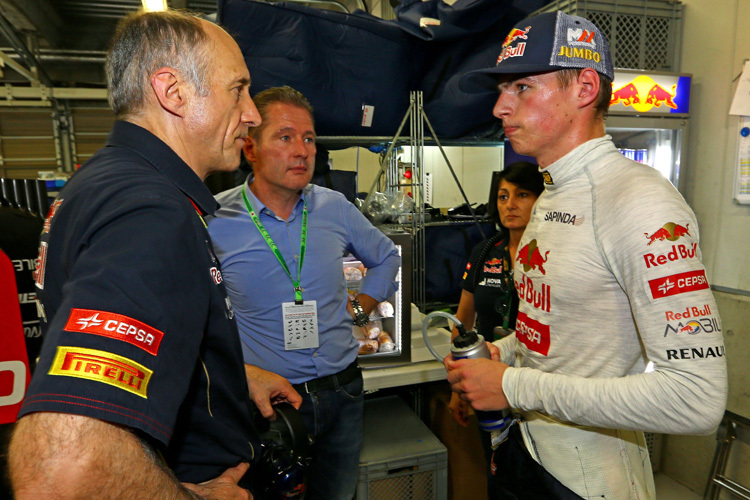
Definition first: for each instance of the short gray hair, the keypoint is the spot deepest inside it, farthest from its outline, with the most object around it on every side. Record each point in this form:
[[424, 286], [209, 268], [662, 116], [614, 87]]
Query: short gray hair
[[147, 41], [278, 95]]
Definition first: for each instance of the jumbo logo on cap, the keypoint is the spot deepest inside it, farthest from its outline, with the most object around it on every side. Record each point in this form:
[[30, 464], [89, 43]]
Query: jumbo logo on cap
[[578, 38], [542, 43]]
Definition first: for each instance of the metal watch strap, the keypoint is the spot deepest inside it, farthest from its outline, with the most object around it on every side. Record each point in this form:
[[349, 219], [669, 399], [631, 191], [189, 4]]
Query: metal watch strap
[[360, 316]]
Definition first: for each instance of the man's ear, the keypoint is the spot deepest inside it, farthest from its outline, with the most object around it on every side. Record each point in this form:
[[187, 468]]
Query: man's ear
[[169, 89], [249, 149], [588, 87]]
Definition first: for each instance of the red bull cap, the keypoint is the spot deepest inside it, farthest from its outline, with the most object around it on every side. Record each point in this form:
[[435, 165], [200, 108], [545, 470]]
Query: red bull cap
[[547, 42]]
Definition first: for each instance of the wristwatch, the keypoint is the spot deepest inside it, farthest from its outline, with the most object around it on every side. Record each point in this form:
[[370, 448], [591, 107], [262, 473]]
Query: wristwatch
[[360, 316]]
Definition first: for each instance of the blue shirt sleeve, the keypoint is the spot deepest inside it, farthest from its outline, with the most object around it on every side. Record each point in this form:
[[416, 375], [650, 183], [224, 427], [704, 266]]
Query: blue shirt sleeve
[[377, 252]]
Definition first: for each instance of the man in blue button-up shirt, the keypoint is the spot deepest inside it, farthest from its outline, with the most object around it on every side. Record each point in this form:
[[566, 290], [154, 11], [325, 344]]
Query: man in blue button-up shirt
[[281, 242]]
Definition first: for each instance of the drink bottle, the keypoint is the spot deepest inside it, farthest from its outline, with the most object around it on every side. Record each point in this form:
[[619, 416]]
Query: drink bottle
[[471, 345]]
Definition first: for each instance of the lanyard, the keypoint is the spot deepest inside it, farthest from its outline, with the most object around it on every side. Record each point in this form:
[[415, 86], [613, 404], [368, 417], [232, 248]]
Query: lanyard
[[302, 244]]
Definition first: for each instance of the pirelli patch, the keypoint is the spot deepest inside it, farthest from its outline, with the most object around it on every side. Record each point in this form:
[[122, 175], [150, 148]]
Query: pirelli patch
[[101, 366]]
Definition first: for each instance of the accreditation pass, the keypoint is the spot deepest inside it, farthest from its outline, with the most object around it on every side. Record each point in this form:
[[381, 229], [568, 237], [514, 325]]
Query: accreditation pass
[[300, 325]]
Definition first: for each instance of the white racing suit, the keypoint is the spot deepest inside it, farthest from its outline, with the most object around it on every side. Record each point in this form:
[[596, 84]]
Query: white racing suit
[[609, 277]]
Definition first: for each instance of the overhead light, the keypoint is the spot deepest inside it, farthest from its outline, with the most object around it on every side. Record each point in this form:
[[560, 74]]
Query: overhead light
[[152, 5]]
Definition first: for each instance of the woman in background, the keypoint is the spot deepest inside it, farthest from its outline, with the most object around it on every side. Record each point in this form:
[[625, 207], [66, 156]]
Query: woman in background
[[489, 302]]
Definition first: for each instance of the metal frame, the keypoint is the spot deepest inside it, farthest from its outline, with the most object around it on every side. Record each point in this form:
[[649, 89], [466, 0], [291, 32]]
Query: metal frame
[[732, 427], [389, 165]]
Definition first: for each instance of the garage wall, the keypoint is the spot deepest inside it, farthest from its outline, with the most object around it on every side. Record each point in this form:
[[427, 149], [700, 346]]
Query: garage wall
[[715, 44], [473, 166], [29, 143]]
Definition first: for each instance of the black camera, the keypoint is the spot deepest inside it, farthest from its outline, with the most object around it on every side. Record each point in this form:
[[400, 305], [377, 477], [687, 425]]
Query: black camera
[[281, 473]]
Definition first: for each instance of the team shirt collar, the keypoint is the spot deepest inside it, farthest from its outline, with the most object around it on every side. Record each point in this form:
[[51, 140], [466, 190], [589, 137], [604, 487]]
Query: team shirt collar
[[569, 165], [163, 158]]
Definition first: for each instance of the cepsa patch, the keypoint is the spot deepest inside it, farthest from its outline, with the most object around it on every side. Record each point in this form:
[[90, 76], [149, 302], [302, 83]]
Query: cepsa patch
[[533, 334], [115, 326], [678, 283], [101, 366]]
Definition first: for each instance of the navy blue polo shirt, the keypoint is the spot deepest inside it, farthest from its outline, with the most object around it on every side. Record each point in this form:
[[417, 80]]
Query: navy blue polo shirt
[[139, 330]]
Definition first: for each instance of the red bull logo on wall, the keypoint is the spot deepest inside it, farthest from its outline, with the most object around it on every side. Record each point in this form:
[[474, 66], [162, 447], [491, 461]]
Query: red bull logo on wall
[[652, 94]]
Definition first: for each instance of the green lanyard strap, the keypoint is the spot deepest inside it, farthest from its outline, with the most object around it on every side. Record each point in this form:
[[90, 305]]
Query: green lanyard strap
[[302, 244]]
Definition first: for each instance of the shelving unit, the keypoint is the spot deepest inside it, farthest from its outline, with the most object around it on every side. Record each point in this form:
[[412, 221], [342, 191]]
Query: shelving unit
[[389, 179]]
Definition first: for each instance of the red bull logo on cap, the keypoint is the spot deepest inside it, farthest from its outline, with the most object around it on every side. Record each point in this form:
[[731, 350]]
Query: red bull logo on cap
[[515, 34], [507, 51]]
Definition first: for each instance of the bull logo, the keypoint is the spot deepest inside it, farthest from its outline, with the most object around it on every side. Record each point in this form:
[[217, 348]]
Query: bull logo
[[628, 94], [669, 231], [515, 34], [531, 258], [658, 95], [643, 93]]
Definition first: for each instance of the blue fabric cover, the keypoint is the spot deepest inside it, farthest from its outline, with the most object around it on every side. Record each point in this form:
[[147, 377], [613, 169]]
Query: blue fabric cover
[[344, 61], [339, 61], [469, 37]]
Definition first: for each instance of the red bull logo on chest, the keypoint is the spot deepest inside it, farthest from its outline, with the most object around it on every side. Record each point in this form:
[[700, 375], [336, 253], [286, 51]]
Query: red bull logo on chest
[[531, 258]]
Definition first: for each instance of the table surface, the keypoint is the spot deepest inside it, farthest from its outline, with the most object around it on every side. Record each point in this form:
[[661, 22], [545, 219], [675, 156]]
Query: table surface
[[423, 367]]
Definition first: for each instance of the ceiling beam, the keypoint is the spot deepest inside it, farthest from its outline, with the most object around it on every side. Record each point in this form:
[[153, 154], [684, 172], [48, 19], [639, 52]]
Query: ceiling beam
[[35, 15], [43, 93], [28, 58], [29, 75]]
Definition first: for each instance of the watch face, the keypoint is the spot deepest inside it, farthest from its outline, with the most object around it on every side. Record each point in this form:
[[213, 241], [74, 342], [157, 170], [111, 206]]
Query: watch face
[[361, 321]]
